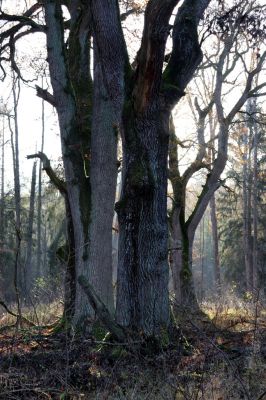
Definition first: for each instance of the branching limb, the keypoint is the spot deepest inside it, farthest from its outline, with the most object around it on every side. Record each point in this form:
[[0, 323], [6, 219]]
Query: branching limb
[[59, 184], [45, 95], [22, 319]]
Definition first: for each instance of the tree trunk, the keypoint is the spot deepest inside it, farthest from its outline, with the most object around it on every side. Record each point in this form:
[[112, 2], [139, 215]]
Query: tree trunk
[[176, 253], [255, 207], [142, 290], [103, 188], [247, 214], [147, 97], [2, 195], [28, 272], [39, 260], [75, 135], [85, 167], [16, 175], [216, 259]]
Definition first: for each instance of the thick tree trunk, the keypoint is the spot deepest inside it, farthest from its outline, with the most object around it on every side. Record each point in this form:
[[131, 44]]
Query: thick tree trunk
[[147, 97], [103, 188], [142, 290], [75, 135], [89, 160]]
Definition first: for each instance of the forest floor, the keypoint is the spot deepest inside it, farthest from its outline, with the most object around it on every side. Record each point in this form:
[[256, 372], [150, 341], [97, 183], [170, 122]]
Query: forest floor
[[220, 358]]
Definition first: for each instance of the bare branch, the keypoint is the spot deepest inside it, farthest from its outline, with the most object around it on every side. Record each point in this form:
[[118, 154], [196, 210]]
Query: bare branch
[[45, 95], [59, 184]]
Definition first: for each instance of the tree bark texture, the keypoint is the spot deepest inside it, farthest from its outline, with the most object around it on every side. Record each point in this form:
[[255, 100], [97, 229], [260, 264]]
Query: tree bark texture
[[142, 288], [103, 188]]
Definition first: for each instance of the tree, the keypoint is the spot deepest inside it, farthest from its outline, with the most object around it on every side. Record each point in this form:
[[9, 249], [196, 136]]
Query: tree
[[140, 102], [235, 221], [83, 157], [146, 97], [228, 53]]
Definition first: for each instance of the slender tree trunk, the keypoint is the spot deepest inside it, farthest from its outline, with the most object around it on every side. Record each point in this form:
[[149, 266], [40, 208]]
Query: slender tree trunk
[[187, 285], [176, 253], [216, 259], [15, 151], [39, 260], [255, 208], [28, 272], [202, 256], [2, 196], [247, 212], [16, 175]]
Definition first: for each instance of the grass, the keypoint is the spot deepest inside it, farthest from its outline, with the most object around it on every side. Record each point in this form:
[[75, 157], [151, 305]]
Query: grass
[[218, 360]]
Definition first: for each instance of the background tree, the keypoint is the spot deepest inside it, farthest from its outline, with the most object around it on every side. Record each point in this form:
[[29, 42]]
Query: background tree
[[229, 52]]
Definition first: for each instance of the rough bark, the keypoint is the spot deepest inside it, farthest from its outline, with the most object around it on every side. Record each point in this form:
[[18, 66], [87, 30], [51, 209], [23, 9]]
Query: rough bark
[[142, 292], [103, 187], [142, 289]]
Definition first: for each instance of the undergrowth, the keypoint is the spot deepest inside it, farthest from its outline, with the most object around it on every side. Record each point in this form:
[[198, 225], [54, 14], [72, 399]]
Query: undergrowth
[[217, 358]]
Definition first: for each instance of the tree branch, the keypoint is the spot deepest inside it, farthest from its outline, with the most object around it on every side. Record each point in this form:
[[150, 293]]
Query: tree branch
[[150, 58], [45, 95], [186, 54], [102, 312], [59, 184]]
